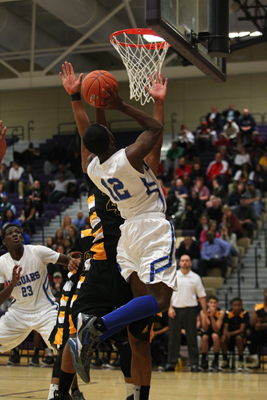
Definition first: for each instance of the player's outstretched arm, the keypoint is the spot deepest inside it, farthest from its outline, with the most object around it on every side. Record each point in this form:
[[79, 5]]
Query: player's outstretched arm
[[158, 93], [5, 293], [72, 86], [2, 141], [147, 140], [72, 260]]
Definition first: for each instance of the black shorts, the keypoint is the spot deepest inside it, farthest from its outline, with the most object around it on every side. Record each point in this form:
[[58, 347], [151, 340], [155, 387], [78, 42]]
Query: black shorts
[[232, 341], [104, 290], [209, 334]]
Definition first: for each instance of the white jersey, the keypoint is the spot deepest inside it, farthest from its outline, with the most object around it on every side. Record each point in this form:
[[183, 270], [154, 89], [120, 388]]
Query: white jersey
[[134, 193], [32, 292]]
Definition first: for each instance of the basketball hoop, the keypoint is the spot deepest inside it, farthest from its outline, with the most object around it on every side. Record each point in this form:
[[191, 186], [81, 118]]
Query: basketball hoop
[[140, 59]]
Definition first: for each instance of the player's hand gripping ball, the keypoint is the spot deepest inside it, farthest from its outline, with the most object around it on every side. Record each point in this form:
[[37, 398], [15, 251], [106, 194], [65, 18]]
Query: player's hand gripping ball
[[93, 84]]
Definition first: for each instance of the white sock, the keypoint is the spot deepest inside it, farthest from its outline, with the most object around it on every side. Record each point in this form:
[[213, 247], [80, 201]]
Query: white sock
[[136, 390], [48, 352], [255, 356], [129, 389], [52, 389]]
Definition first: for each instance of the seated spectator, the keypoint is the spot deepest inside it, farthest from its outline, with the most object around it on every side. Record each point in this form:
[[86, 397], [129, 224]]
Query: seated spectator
[[3, 173], [9, 218], [242, 175], [73, 232], [205, 137], [181, 192], [185, 136], [190, 153], [57, 285], [87, 222], [232, 221], [190, 248], [26, 182], [241, 159], [175, 209], [67, 224], [259, 177], [215, 211], [235, 323], [75, 164], [26, 237], [56, 156], [194, 208], [50, 243], [203, 225], [238, 143], [59, 189], [215, 253], [6, 205], [59, 238], [172, 157], [201, 189], [214, 118], [231, 129], [2, 190], [211, 333], [231, 113], [219, 191], [254, 197], [218, 169], [235, 196], [263, 161], [67, 244], [182, 170], [256, 138], [14, 177], [212, 227], [37, 197], [257, 334], [197, 172], [78, 222], [255, 153], [247, 123], [246, 215], [229, 237], [222, 142], [28, 216], [63, 172]]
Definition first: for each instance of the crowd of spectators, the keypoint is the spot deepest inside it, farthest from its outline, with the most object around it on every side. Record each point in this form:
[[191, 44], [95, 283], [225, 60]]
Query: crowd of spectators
[[219, 201]]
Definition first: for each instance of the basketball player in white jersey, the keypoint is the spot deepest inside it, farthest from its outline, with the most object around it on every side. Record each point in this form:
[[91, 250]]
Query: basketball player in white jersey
[[146, 247], [33, 306]]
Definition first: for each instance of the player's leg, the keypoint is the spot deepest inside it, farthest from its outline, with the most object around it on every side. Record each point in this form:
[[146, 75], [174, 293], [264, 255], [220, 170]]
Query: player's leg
[[240, 348], [216, 340], [224, 346], [205, 349], [36, 345]]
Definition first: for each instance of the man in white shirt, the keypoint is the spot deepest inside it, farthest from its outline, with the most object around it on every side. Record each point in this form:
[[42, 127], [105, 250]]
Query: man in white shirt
[[13, 177], [33, 306], [183, 314]]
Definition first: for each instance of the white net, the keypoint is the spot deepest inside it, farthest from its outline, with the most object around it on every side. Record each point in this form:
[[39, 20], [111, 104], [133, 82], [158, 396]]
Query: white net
[[140, 60]]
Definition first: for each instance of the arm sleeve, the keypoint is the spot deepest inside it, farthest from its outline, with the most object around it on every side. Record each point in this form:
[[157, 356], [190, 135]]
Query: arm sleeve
[[200, 288], [2, 275], [47, 255]]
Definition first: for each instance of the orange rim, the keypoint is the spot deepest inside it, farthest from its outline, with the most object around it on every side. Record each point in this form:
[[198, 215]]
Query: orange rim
[[141, 31]]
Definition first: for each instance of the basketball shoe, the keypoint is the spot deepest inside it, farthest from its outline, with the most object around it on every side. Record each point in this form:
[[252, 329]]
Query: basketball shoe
[[61, 396]]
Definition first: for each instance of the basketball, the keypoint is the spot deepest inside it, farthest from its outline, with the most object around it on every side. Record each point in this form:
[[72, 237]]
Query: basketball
[[93, 84]]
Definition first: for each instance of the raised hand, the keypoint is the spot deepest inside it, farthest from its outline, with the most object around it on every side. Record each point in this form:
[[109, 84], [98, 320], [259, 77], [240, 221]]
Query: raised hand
[[159, 89], [71, 84], [112, 99], [16, 274], [2, 131]]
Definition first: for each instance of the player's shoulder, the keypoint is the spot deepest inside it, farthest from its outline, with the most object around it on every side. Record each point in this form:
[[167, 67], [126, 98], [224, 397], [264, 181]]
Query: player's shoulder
[[259, 306], [4, 258]]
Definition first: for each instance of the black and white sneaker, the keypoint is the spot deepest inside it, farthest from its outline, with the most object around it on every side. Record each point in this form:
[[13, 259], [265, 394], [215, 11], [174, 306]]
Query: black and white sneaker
[[47, 361], [14, 358], [34, 361], [61, 396], [214, 366]]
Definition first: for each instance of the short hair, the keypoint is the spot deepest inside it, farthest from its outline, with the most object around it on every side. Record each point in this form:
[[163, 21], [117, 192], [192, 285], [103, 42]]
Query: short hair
[[7, 227], [236, 299], [213, 297], [96, 139]]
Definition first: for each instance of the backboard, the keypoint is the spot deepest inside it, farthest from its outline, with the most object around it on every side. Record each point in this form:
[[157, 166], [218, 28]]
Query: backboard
[[186, 25]]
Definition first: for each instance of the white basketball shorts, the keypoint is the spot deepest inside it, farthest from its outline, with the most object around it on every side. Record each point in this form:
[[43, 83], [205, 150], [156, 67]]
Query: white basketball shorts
[[15, 326], [147, 246]]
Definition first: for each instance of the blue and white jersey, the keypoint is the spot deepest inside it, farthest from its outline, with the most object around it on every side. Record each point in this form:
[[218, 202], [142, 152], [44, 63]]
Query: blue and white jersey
[[133, 192], [32, 292]]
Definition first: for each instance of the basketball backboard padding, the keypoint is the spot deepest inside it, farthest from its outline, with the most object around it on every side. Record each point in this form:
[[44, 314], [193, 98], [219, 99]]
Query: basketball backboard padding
[[179, 39]]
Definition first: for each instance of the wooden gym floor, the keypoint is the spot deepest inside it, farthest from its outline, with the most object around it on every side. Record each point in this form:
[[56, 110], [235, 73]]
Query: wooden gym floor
[[23, 382]]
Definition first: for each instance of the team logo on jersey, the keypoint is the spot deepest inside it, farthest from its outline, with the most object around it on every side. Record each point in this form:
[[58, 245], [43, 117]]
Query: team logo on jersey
[[87, 255], [112, 207]]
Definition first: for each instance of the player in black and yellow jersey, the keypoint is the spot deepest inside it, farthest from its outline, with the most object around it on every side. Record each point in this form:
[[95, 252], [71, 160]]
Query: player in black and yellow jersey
[[257, 333], [211, 333], [235, 323], [103, 288]]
